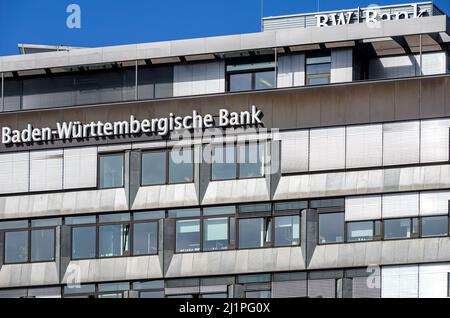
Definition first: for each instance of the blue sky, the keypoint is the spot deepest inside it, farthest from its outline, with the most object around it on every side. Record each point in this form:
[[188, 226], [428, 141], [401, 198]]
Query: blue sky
[[113, 22]]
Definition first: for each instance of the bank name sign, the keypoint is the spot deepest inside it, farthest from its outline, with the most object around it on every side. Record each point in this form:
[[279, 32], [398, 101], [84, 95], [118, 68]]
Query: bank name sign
[[160, 126], [370, 15]]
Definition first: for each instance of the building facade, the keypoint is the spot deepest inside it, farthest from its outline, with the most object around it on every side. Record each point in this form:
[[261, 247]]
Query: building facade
[[307, 160]]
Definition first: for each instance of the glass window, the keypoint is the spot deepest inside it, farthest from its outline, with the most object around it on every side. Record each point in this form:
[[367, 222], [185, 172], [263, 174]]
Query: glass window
[[215, 234], [360, 231], [83, 242], [240, 82], [264, 80], [154, 167], [80, 219], [113, 240], [13, 225], [155, 81], [219, 210], [214, 295], [151, 294], [253, 278], [290, 205], [318, 80], [16, 247], [258, 294], [397, 228], [331, 227], [116, 217], [182, 213], [318, 69], [151, 215], [223, 162], [287, 230], [435, 225], [251, 162], [111, 171], [260, 207], [187, 235], [42, 245], [251, 233], [145, 238], [181, 167]]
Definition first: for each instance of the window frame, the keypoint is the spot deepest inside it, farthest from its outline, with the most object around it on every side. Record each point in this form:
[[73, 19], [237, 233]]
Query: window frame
[[414, 235], [342, 211], [29, 229], [167, 152], [97, 225], [319, 75], [99, 172], [252, 72]]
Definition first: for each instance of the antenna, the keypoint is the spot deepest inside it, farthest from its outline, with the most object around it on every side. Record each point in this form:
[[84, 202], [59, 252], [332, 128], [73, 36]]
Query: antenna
[[318, 5], [262, 14]]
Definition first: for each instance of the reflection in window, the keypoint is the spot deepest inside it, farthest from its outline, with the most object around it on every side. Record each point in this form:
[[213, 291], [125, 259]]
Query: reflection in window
[[251, 233], [435, 225], [187, 235], [83, 242], [114, 240], [360, 231], [331, 227], [111, 171], [154, 167], [251, 76], [215, 235], [258, 294], [399, 228], [181, 166], [251, 162], [287, 230], [318, 69], [42, 245], [16, 247], [155, 81], [223, 162], [145, 238]]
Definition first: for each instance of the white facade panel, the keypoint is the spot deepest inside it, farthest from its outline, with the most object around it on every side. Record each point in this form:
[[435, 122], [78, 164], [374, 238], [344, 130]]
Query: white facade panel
[[433, 280], [401, 143], [80, 167], [199, 78], [363, 208], [434, 202], [291, 70], [294, 151], [434, 140], [364, 146], [327, 148], [341, 65], [433, 63], [400, 205], [46, 170], [400, 281], [14, 172]]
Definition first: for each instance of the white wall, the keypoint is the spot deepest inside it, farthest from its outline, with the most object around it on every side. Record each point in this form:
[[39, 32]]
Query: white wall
[[341, 65], [199, 78], [291, 70], [400, 281]]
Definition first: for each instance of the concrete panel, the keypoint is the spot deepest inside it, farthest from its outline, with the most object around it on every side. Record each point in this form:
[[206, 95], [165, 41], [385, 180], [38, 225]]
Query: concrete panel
[[171, 195], [30, 274], [231, 191]]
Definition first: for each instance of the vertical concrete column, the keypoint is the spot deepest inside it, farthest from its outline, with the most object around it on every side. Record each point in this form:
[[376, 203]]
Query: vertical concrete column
[[274, 172], [344, 288], [2, 248], [169, 243], [309, 233], [134, 176], [236, 291], [126, 177], [64, 250], [204, 172]]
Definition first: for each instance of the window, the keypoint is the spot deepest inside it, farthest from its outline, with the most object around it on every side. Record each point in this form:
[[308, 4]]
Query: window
[[109, 235], [287, 230], [360, 231], [167, 167], [187, 235], [331, 227], [400, 228], [318, 69], [155, 81], [435, 225], [32, 241], [244, 160], [251, 232], [258, 294], [111, 171], [215, 234], [251, 76]]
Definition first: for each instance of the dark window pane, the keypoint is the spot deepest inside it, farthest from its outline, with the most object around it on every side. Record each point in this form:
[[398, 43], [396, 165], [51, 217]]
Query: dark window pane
[[151, 215], [260, 207], [111, 171], [253, 278], [287, 230], [182, 213], [46, 222], [251, 232], [251, 160], [151, 294], [219, 210], [145, 238], [16, 247], [294, 205], [116, 217], [113, 240], [435, 225], [318, 69], [258, 294], [318, 59], [155, 82], [331, 227], [265, 80], [181, 167], [397, 228], [223, 162], [12, 94], [188, 235], [360, 231], [13, 225], [83, 242], [318, 80], [215, 234], [80, 220], [240, 82], [215, 295], [154, 168], [42, 245]]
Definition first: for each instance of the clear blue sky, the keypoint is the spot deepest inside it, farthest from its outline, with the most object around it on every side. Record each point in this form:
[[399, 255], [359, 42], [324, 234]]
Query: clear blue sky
[[113, 22]]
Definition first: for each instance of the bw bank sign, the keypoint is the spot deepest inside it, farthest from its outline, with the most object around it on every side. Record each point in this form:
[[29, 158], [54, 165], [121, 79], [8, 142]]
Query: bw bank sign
[[369, 15], [160, 126]]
